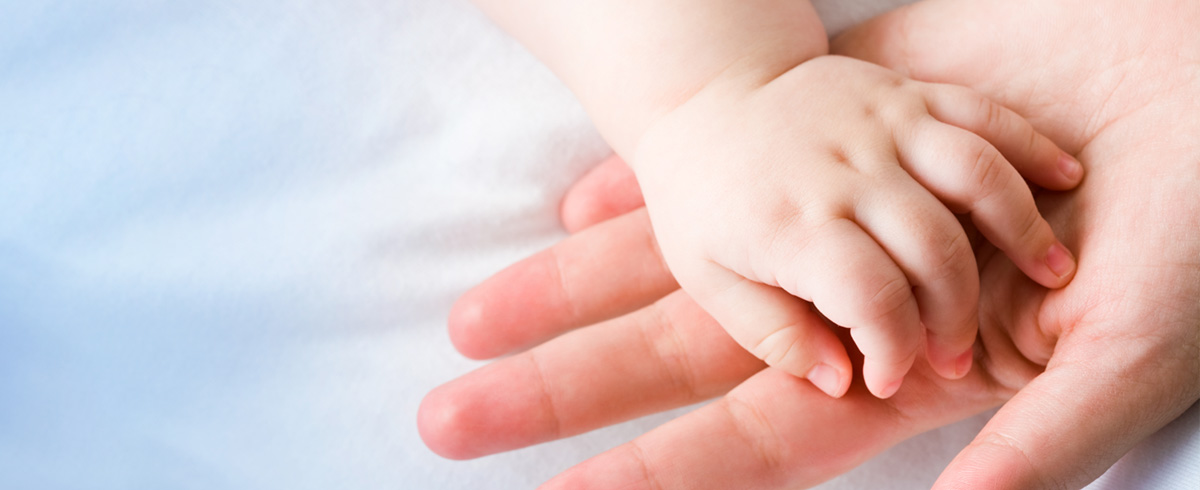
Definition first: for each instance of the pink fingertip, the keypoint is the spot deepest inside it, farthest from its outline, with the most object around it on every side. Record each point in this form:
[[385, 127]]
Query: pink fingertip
[[962, 364], [1060, 261], [1070, 167], [826, 379], [891, 389]]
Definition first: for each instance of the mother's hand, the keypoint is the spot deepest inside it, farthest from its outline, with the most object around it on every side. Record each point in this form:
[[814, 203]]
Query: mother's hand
[[771, 429], [1094, 367]]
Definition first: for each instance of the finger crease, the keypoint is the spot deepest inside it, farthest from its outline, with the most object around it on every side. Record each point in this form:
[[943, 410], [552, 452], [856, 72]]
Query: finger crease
[[769, 452], [639, 455], [568, 296], [547, 400], [1006, 441], [676, 365]]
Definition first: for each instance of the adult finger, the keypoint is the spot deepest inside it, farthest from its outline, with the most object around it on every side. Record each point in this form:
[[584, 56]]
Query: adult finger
[[971, 176], [605, 192], [930, 246], [1075, 420], [857, 285], [667, 355], [600, 273], [773, 431], [1034, 156]]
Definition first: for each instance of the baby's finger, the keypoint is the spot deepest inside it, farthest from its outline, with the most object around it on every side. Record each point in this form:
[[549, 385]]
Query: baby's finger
[[1034, 156], [776, 327], [928, 243], [969, 175], [857, 285]]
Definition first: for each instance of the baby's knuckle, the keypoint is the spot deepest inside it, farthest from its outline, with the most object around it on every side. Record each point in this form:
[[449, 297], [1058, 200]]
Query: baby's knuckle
[[1033, 140], [993, 114], [1030, 226], [777, 347], [888, 298], [956, 259], [899, 101], [789, 234], [989, 172]]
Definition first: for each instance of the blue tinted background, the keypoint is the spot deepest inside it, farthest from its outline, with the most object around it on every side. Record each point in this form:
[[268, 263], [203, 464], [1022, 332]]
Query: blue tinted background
[[230, 232]]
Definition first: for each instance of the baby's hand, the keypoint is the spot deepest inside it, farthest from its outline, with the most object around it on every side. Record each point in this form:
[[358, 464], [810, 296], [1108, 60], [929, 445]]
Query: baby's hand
[[838, 182]]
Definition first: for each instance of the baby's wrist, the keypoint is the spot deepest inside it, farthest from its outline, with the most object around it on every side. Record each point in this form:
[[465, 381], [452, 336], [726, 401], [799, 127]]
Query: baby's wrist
[[757, 64], [719, 98]]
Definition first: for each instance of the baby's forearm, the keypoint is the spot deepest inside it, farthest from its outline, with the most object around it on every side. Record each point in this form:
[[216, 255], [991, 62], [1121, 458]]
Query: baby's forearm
[[632, 61]]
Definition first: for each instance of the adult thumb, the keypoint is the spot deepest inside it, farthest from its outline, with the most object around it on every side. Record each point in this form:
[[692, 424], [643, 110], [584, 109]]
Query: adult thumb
[[1094, 402]]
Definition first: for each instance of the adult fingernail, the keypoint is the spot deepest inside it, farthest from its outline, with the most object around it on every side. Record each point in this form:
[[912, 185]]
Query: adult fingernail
[[1070, 167], [826, 379], [1059, 260], [962, 364]]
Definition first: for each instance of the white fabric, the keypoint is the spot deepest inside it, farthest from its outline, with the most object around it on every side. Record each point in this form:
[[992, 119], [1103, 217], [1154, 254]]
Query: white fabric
[[230, 233]]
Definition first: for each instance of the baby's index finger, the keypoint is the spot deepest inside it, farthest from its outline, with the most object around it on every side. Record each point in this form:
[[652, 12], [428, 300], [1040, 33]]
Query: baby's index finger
[[1032, 154]]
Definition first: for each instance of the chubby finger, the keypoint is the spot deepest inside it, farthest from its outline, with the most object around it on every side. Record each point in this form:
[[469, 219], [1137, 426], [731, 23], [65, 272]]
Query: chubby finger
[[1033, 155], [929, 245], [1075, 420], [605, 192], [782, 330], [605, 271], [971, 176], [667, 355], [773, 431], [857, 285]]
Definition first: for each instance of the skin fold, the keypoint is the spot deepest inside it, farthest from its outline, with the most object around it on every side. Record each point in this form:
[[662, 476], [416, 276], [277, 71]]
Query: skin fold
[[1083, 372]]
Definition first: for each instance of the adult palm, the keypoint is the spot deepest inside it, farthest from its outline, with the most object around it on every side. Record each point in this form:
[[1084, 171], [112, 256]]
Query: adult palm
[[1083, 373]]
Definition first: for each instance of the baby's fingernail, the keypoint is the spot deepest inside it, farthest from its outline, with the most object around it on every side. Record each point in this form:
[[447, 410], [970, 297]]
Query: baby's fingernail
[[962, 364], [826, 379], [1070, 167], [891, 389], [1059, 260]]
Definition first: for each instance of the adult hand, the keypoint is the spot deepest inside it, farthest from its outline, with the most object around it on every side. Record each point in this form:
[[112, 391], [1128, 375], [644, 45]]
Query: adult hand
[[1091, 369], [1121, 346], [664, 355]]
